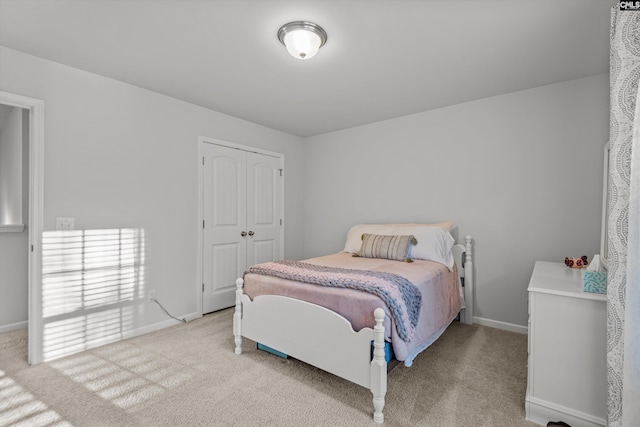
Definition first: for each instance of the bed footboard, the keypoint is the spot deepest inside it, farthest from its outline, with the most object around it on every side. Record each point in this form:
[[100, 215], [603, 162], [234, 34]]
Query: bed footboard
[[463, 256], [237, 317], [311, 333]]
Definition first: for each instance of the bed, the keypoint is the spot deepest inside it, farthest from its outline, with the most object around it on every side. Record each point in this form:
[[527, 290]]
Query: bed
[[350, 332]]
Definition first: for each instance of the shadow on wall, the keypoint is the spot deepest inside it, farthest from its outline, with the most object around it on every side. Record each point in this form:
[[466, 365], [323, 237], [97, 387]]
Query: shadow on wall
[[93, 288]]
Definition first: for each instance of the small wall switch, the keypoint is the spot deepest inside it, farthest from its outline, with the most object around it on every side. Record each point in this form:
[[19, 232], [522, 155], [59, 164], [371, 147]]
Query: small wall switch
[[65, 223]]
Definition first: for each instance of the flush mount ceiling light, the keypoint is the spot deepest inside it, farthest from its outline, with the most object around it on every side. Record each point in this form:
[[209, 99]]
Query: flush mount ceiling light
[[302, 38]]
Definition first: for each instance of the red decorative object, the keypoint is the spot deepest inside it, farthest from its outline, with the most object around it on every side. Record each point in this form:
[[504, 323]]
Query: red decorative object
[[581, 262]]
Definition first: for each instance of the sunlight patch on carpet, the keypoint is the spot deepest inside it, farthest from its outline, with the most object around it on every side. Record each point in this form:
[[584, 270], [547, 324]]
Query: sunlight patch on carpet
[[123, 374], [20, 408]]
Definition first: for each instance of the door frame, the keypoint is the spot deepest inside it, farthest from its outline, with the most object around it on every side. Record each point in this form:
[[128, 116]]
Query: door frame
[[199, 261], [35, 225]]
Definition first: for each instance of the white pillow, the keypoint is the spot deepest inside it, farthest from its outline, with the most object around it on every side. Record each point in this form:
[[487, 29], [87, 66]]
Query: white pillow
[[434, 240], [354, 236], [434, 243]]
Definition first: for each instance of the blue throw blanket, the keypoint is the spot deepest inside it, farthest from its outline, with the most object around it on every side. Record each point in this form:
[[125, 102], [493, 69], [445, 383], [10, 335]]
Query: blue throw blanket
[[401, 296]]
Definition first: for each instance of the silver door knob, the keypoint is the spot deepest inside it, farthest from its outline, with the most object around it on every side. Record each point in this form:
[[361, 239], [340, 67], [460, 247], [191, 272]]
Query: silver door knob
[[251, 233], [244, 233]]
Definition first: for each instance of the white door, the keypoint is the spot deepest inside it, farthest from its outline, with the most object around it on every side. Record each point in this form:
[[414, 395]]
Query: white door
[[242, 203], [263, 208]]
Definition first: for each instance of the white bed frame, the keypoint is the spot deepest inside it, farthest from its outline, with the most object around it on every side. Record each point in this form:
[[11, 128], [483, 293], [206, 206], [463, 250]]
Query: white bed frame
[[312, 333]]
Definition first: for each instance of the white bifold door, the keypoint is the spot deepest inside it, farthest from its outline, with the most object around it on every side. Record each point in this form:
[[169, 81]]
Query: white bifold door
[[242, 203]]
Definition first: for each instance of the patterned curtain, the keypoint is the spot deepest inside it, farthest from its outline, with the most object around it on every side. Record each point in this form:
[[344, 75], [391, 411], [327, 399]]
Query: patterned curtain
[[623, 294]]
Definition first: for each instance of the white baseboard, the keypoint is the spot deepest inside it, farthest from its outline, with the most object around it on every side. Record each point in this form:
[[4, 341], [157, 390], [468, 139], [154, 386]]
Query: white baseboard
[[500, 325], [161, 325], [13, 327], [541, 412], [129, 334], [133, 333], [193, 316]]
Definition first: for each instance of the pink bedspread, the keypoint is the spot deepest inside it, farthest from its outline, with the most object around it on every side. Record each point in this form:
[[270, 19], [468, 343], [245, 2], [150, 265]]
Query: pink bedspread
[[441, 300]]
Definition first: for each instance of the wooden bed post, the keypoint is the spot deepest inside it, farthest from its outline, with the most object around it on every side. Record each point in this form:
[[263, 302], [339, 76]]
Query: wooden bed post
[[237, 316], [378, 367], [468, 282]]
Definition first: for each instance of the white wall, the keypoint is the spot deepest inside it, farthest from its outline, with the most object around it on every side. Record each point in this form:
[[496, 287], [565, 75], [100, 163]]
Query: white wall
[[118, 156], [529, 164], [13, 202], [11, 168], [521, 173]]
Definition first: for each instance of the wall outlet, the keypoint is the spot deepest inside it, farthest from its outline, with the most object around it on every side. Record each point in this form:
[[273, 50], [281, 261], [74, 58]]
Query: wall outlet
[[151, 295], [65, 223]]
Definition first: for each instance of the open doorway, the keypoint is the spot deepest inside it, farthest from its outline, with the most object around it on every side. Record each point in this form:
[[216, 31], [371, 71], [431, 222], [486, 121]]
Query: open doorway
[[25, 214], [14, 213]]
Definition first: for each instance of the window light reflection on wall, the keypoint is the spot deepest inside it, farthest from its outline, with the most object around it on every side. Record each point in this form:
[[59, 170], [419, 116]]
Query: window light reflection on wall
[[92, 287]]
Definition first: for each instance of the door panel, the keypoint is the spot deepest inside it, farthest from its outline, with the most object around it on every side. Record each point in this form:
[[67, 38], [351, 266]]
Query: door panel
[[226, 178], [264, 208], [224, 203], [222, 276], [264, 251]]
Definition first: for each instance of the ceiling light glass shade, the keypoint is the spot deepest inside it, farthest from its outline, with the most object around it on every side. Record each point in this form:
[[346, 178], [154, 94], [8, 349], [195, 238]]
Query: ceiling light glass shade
[[302, 39], [302, 44]]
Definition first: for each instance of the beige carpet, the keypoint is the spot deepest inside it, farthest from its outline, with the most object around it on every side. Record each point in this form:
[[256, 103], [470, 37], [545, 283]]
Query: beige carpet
[[188, 375]]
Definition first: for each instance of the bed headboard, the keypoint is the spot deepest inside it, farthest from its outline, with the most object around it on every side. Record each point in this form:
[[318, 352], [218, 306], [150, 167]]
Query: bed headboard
[[463, 256]]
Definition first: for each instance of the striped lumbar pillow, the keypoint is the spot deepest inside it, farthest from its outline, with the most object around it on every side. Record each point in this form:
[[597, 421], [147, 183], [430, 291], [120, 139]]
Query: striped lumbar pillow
[[387, 247]]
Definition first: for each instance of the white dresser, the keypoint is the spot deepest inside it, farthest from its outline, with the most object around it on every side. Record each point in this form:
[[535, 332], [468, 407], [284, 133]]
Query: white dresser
[[567, 372]]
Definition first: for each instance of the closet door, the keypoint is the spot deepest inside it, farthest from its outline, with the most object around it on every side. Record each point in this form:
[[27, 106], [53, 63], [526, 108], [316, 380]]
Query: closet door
[[225, 216], [263, 208], [242, 205]]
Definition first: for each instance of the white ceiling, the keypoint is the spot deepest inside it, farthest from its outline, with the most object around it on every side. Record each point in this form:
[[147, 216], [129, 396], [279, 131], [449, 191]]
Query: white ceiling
[[383, 58]]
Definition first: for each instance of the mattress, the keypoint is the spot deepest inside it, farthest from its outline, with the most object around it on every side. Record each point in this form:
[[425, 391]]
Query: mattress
[[439, 288]]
